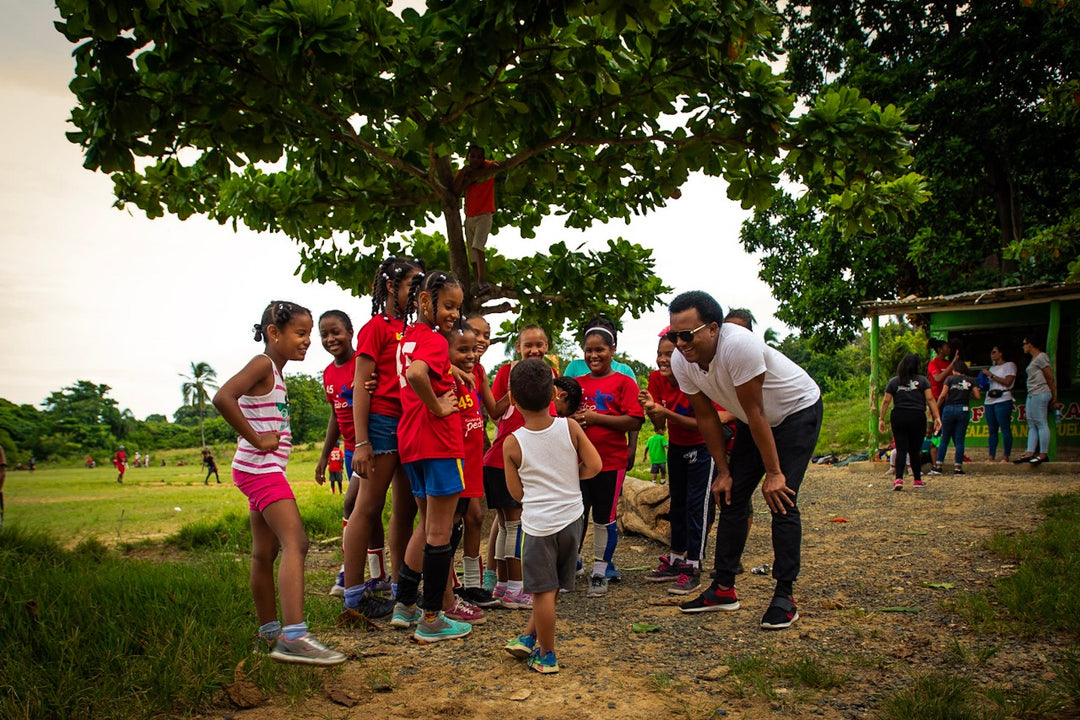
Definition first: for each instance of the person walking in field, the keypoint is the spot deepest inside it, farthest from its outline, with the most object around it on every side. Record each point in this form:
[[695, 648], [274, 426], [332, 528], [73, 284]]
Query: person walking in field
[[119, 461], [211, 466], [656, 446], [255, 403]]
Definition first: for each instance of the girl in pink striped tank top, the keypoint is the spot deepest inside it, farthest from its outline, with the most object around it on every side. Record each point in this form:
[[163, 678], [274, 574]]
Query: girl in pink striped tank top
[[256, 404]]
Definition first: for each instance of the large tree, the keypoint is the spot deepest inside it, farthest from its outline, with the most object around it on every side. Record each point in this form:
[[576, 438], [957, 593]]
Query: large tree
[[989, 86], [341, 124]]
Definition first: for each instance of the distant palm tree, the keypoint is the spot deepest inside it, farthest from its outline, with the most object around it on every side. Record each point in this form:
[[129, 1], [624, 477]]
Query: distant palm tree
[[772, 338], [196, 389]]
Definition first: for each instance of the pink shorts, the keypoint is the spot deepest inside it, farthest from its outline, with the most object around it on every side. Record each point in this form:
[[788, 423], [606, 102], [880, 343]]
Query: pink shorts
[[264, 489]]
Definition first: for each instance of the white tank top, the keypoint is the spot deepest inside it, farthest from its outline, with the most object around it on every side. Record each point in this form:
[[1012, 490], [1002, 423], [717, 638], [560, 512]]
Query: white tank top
[[265, 413], [549, 478]]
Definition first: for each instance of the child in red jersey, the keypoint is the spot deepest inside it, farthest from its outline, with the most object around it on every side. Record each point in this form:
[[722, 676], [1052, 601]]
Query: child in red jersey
[[610, 409], [430, 441], [532, 343], [691, 471], [336, 466], [255, 403], [375, 462], [119, 461]]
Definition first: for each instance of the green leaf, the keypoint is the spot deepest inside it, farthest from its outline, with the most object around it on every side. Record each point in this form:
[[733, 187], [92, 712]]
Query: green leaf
[[644, 627]]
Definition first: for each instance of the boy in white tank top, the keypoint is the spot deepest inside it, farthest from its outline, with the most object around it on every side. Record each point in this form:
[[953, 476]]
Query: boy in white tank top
[[545, 461]]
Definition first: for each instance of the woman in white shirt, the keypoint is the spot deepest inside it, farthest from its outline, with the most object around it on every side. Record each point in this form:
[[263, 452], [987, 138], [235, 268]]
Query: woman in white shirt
[[999, 403]]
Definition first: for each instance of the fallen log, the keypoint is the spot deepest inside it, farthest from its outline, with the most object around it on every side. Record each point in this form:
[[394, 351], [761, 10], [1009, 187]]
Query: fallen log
[[643, 509]]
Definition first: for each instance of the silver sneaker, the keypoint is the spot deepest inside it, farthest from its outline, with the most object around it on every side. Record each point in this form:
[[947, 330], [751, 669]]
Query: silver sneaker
[[405, 616], [306, 650], [598, 585]]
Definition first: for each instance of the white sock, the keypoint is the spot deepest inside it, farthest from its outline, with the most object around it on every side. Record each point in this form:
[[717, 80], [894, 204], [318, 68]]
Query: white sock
[[514, 587], [472, 571], [376, 562]]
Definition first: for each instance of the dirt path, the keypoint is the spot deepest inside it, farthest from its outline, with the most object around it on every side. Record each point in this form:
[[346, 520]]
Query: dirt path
[[889, 547]]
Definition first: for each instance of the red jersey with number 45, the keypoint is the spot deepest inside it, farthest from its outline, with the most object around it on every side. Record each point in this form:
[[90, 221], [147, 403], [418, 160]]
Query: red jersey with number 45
[[378, 340], [338, 385], [614, 394], [472, 422], [421, 434]]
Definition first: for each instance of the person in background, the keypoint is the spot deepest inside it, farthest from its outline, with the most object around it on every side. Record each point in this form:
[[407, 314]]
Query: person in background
[[211, 466], [3, 476], [954, 405], [940, 366], [999, 403], [912, 395], [657, 448], [119, 461], [477, 180], [1041, 398]]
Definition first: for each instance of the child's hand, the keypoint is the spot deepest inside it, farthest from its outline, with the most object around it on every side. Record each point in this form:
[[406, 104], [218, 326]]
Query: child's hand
[[268, 441], [447, 404], [466, 379], [647, 402], [581, 417], [320, 471], [371, 383]]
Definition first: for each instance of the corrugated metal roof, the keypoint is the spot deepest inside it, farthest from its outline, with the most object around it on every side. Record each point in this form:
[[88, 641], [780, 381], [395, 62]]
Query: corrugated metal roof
[[975, 299]]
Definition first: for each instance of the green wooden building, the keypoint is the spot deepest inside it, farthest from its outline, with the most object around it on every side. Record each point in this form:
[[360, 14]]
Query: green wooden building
[[977, 321]]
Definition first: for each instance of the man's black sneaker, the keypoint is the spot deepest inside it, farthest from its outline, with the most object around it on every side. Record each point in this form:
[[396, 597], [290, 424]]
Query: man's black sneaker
[[780, 615], [712, 600], [958, 471]]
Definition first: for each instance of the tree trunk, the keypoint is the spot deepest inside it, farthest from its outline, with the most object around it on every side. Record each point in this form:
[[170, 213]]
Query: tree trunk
[[455, 236], [643, 509]]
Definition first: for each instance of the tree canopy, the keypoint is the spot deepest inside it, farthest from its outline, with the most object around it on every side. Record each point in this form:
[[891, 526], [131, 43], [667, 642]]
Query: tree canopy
[[991, 89], [340, 124]]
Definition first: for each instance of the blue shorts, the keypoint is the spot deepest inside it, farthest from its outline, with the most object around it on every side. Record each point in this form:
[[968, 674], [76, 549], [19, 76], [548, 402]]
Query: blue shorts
[[348, 462], [382, 432], [436, 477]]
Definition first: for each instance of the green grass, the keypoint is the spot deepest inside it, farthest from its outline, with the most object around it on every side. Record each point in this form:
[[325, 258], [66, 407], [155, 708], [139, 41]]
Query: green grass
[[90, 634], [71, 504]]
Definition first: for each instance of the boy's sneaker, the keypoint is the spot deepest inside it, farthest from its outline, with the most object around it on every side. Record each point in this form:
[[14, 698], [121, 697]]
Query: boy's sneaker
[[898, 484], [712, 600], [479, 597], [405, 616], [338, 590], [543, 663], [521, 647], [780, 615], [521, 600], [665, 571], [305, 650], [598, 586], [441, 628], [958, 470], [490, 578], [466, 612], [688, 582], [919, 483], [935, 470]]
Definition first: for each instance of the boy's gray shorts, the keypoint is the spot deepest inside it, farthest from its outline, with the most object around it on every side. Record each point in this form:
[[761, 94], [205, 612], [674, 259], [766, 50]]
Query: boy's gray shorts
[[550, 562]]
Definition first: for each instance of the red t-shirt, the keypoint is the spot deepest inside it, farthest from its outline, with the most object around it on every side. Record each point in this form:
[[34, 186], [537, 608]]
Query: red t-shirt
[[614, 394], [378, 340], [337, 460], [422, 435], [933, 367], [480, 196], [338, 385], [472, 422], [508, 422]]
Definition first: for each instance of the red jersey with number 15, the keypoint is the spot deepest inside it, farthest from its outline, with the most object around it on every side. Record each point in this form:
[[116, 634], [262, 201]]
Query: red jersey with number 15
[[421, 434], [472, 422]]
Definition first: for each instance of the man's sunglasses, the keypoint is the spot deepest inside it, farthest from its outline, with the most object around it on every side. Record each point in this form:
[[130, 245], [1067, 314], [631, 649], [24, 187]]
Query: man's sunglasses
[[674, 336]]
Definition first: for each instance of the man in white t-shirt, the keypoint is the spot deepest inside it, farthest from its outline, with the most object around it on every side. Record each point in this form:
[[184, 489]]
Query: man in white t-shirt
[[778, 413]]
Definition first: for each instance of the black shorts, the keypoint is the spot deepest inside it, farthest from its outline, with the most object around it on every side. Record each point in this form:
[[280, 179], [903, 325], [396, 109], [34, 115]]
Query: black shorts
[[498, 497]]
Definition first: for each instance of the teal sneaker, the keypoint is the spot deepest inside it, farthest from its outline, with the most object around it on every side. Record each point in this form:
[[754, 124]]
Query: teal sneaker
[[405, 616], [543, 662], [441, 628], [521, 647]]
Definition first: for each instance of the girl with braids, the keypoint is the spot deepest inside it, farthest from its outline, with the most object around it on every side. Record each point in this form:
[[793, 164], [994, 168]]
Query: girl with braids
[[430, 438], [610, 410], [256, 404], [375, 463]]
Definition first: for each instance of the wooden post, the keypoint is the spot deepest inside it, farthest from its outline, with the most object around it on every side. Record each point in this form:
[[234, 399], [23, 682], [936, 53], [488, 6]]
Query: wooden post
[[875, 336], [1052, 332]]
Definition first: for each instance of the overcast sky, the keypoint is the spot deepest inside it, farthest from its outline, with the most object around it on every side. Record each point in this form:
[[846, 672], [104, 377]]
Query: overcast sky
[[88, 292]]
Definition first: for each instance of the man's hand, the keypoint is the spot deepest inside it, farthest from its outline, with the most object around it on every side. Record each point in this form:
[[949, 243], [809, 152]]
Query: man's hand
[[777, 493], [722, 487]]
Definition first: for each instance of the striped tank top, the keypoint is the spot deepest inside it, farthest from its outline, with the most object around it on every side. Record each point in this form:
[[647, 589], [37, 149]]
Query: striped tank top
[[265, 413]]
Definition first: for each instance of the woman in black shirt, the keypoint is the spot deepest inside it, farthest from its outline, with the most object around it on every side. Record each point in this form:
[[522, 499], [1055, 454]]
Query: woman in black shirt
[[912, 395]]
